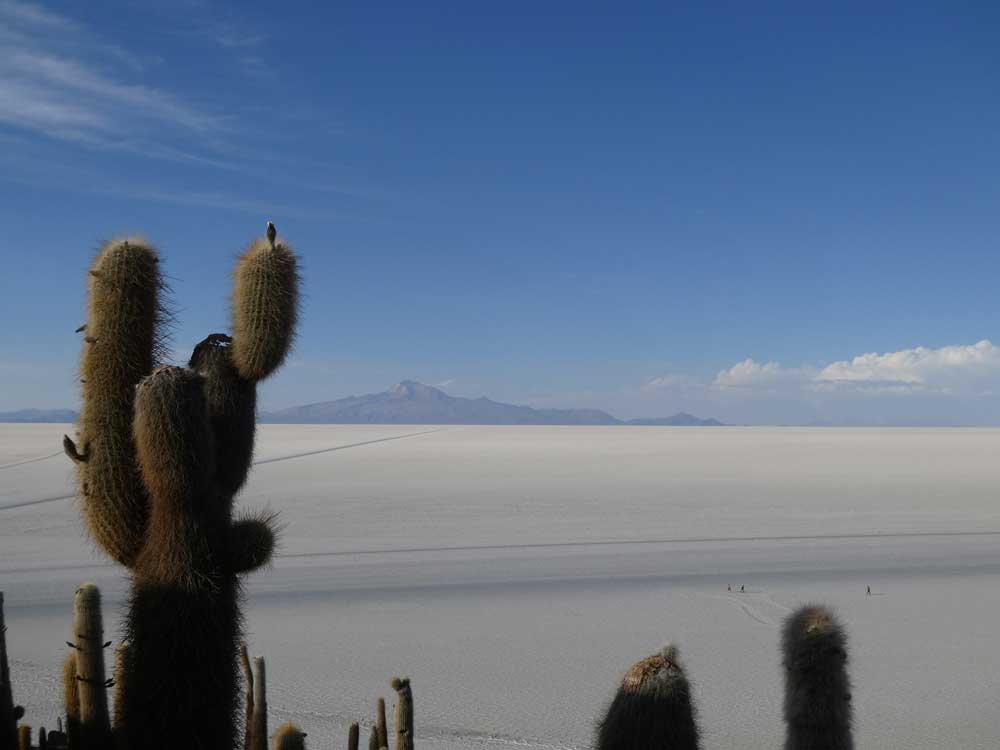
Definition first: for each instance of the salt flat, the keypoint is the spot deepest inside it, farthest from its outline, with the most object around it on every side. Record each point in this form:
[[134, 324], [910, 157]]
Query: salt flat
[[515, 572]]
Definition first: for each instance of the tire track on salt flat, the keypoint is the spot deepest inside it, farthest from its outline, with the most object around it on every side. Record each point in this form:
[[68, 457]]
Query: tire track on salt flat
[[41, 501], [30, 460]]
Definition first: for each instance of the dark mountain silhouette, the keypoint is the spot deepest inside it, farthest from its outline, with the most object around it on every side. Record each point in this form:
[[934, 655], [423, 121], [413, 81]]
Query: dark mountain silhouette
[[38, 415]]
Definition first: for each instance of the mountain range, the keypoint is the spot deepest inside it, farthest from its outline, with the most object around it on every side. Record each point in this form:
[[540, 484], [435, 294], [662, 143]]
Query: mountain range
[[410, 402]]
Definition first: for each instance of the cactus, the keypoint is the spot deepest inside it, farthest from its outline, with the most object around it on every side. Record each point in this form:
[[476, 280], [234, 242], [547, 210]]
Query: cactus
[[160, 455], [404, 713], [817, 705], [380, 724], [248, 681], [24, 737], [71, 700], [88, 630], [289, 737], [120, 685], [353, 737], [258, 730], [8, 712], [43, 739], [652, 708], [373, 739]]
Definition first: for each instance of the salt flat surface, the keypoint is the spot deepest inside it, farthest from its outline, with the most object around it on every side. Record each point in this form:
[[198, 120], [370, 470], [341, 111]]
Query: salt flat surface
[[515, 572]]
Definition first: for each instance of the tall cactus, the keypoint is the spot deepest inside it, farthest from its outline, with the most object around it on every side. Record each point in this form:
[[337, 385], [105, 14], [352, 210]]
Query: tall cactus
[[817, 689], [160, 455], [651, 708]]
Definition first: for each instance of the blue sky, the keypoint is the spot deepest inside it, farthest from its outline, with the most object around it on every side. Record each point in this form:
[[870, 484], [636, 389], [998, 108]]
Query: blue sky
[[715, 207]]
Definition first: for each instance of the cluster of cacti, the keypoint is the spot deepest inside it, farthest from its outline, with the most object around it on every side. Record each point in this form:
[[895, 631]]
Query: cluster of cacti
[[87, 709], [652, 707]]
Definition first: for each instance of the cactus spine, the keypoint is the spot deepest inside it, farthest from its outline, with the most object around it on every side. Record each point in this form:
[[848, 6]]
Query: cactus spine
[[652, 708], [404, 713], [88, 630], [161, 453], [817, 704]]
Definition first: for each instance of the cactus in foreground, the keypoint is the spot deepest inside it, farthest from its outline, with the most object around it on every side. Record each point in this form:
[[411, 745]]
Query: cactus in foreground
[[289, 737], [404, 713], [652, 708], [817, 689], [24, 737], [160, 454], [258, 723]]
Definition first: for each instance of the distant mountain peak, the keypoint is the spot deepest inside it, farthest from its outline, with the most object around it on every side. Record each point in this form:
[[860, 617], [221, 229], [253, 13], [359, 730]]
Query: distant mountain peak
[[416, 390]]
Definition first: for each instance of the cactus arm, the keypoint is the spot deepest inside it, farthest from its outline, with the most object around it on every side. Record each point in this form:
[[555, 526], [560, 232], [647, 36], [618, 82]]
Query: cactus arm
[[232, 405], [264, 306], [252, 540], [817, 707], [124, 321]]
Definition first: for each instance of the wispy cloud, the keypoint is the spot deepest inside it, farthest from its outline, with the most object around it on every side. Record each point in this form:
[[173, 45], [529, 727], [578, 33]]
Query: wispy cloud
[[53, 82]]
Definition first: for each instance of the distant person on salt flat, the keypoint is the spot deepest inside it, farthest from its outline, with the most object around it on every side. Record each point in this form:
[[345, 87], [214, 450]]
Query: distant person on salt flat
[[869, 592], [742, 589]]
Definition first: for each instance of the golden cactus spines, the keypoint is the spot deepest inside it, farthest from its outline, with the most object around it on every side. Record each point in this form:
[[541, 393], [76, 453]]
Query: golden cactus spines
[[122, 338], [88, 631], [265, 302], [289, 737]]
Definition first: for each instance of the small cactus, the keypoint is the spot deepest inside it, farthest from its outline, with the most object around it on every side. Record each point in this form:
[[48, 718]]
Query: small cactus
[[289, 737], [380, 723], [71, 700], [24, 737], [258, 731], [353, 737], [8, 718], [373, 739], [404, 713], [652, 708], [817, 705], [88, 630]]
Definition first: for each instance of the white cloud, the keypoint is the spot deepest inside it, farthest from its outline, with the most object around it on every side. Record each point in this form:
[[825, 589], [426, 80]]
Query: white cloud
[[749, 374], [445, 383], [962, 369], [966, 370]]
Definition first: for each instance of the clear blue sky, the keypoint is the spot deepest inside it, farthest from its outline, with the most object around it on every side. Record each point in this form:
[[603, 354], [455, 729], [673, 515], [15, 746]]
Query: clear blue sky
[[612, 205]]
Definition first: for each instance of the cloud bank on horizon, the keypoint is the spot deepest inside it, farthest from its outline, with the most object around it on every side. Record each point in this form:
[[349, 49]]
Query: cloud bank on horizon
[[961, 370]]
